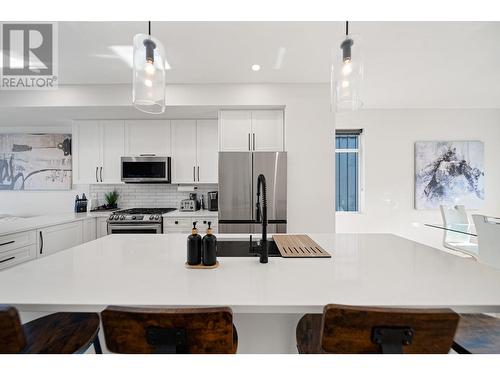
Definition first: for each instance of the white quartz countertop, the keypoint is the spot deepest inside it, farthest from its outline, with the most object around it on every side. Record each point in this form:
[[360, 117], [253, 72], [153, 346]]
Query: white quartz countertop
[[148, 270], [199, 213], [15, 224]]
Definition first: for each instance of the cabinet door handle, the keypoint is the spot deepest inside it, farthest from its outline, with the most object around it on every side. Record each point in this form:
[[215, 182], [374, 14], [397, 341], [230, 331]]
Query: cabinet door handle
[[41, 242], [249, 148], [101, 174], [254, 141], [198, 173], [194, 173], [6, 260], [7, 243], [96, 178]]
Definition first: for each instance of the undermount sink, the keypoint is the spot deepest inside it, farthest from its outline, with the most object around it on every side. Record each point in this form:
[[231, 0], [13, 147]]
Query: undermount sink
[[241, 248]]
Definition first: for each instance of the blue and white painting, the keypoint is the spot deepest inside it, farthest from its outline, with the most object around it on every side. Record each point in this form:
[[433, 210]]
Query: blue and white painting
[[449, 173], [35, 161]]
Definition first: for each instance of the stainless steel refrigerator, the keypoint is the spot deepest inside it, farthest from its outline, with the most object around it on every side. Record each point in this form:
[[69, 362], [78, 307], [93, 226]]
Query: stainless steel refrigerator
[[238, 172]]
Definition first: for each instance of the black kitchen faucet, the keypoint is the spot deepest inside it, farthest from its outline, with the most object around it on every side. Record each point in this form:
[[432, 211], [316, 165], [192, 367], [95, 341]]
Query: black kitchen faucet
[[261, 217]]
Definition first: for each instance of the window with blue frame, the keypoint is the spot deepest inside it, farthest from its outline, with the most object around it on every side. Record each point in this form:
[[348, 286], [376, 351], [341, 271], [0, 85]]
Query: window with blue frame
[[347, 170]]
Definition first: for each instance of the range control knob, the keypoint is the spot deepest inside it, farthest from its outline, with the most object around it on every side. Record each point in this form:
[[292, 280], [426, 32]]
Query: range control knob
[[122, 217], [151, 217], [133, 217], [157, 217]]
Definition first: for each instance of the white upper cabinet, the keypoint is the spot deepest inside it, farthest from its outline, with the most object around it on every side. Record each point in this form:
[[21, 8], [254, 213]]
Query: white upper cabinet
[[97, 149], [86, 152], [194, 151], [98, 146], [207, 151], [235, 130], [256, 130], [113, 146], [267, 130], [184, 151], [147, 137]]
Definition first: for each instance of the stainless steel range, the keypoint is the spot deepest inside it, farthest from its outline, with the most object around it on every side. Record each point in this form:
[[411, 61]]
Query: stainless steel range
[[137, 220]]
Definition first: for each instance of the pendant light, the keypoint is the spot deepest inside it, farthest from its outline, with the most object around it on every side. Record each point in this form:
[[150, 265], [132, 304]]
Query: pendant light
[[347, 74], [148, 88]]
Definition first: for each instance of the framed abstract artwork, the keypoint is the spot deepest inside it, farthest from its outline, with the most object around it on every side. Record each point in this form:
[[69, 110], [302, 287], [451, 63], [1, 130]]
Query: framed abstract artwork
[[449, 173], [35, 161]]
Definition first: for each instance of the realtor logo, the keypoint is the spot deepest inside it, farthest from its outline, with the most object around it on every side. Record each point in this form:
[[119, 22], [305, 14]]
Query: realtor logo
[[29, 56]]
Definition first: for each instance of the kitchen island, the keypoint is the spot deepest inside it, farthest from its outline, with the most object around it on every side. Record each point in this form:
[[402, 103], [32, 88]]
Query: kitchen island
[[267, 299]]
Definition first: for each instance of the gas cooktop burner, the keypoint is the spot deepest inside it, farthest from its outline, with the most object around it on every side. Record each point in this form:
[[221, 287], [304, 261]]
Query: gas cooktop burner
[[139, 215], [144, 211]]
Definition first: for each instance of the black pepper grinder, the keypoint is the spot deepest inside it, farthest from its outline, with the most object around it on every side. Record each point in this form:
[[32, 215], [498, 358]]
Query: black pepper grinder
[[209, 245], [194, 247]]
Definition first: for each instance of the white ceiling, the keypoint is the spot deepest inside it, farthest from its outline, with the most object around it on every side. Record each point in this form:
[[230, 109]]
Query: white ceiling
[[407, 64], [411, 64]]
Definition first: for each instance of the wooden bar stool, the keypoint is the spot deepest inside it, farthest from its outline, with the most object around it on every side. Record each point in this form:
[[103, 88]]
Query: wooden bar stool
[[59, 333], [477, 334], [169, 331], [362, 330]]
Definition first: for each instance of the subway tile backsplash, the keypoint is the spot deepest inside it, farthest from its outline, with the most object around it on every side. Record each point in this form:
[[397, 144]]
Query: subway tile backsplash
[[147, 195]]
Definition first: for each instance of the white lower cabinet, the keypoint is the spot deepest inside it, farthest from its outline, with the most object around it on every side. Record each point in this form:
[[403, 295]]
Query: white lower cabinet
[[89, 228], [184, 224], [59, 237], [17, 248], [101, 227]]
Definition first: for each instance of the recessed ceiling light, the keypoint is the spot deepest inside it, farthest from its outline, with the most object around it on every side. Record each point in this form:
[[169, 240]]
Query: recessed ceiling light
[[255, 67]]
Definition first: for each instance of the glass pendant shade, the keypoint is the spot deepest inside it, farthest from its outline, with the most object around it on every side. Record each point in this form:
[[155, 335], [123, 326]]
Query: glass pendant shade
[[347, 75], [148, 90]]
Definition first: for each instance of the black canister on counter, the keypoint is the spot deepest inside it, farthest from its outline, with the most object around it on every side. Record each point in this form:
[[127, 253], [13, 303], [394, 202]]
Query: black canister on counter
[[209, 245], [194, 247]]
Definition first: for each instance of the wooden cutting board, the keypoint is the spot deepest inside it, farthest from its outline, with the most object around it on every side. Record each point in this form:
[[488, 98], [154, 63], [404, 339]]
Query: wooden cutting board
[[299, 246]]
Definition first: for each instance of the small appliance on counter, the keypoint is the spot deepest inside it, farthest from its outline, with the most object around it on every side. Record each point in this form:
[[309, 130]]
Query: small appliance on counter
[[212, 201], [81, 203], [190, 205]]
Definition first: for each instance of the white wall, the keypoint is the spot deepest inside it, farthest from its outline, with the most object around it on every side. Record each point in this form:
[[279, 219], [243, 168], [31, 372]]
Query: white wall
[[309, 133], [388, 148]]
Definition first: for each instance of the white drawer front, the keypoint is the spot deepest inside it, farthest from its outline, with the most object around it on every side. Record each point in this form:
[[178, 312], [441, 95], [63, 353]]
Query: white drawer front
[[16, 256], [203, 224], [17, 240], [177, 223], [184, 224]]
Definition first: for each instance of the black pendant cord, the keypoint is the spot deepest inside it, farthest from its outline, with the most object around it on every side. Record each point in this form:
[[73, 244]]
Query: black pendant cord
[[346, 28], [149, 28]]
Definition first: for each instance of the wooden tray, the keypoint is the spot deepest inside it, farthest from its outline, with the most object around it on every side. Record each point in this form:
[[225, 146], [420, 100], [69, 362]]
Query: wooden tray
[[299, 246], [201, 266]]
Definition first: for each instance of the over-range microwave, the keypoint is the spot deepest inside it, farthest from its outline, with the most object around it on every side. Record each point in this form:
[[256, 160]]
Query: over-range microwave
[[145, 169]]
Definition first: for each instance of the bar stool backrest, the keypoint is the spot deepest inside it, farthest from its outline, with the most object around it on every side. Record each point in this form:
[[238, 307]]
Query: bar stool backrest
[[184, 330], [360, 330], [488, 239], [12, 337]]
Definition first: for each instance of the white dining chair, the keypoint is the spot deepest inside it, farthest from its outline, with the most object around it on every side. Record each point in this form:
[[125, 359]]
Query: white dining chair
[[457, 216], [488, 236]]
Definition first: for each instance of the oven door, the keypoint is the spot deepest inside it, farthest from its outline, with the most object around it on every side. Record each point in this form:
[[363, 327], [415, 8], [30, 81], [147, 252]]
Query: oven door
[[134, 229]]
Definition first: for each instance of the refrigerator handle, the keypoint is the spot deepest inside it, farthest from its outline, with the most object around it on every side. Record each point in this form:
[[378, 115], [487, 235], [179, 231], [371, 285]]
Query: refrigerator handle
[[249, 148], [253, 141]]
